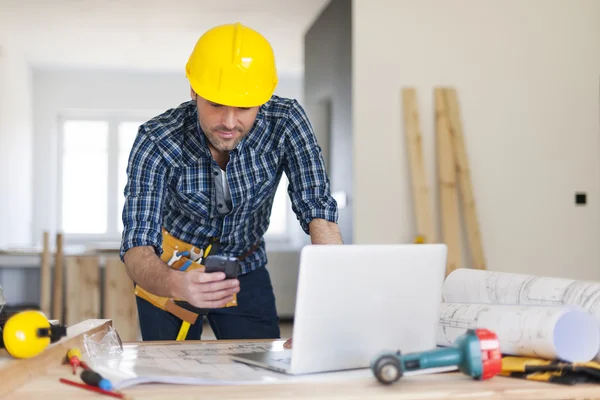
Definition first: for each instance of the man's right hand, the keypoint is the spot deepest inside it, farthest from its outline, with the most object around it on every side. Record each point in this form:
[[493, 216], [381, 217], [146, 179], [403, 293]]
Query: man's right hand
[[206, 290], [200, 289]]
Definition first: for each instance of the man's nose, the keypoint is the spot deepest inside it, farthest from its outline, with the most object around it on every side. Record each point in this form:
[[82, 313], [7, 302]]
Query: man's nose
[[229, 118]]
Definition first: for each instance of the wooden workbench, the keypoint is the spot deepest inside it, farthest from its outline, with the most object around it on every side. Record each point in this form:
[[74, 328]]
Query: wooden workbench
[[437, 386]]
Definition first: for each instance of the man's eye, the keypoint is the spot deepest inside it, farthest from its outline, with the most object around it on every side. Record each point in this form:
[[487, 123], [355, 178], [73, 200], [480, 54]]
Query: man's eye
[[244, 108], [215, 105]]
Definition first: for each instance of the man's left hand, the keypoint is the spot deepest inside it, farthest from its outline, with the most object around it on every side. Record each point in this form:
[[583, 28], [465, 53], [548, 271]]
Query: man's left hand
[[288, 344]]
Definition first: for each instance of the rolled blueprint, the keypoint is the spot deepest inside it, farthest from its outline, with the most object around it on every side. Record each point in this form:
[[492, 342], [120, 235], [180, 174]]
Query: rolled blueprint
[[564, 333], [489, 287]]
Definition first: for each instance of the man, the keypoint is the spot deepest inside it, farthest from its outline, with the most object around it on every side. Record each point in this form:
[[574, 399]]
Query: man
[[204, 174]]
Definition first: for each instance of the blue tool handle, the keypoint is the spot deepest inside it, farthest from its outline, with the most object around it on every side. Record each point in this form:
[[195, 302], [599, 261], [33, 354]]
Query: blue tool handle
[[442, 357], [186, 265], [95, 379]]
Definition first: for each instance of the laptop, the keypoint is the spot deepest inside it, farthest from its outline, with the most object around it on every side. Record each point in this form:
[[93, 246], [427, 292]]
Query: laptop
[[353, 301]]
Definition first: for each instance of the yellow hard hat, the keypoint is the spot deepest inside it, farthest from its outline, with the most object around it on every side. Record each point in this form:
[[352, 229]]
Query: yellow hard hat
[[233, 65], [28, 333]]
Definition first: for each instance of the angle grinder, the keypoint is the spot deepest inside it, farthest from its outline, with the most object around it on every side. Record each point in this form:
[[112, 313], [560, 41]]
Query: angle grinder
[[476, 353]]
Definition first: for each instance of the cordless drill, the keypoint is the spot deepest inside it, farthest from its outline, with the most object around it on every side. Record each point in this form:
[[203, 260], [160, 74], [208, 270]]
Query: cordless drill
[[476, 353]]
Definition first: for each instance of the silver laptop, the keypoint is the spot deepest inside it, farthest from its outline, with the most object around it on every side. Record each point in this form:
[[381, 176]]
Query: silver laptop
[[354, 301]]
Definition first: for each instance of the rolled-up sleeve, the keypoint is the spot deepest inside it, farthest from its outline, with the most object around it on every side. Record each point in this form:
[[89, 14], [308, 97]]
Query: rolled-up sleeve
[[309, 186], [144, 194]]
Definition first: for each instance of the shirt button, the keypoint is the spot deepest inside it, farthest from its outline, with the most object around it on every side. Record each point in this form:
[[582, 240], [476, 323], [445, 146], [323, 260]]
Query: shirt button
[[220, 205], [216, 173]]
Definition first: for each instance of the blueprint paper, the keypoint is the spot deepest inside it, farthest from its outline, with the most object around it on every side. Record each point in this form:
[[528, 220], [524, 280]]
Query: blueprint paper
[[183, 363], [200, 363], [488, 287], [208, 363], [536, 331]]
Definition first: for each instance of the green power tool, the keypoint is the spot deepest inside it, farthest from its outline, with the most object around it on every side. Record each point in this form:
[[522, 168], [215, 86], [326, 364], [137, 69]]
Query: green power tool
[[476, 353]]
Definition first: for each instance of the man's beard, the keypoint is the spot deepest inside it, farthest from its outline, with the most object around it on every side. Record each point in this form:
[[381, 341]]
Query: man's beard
[[221, 143]]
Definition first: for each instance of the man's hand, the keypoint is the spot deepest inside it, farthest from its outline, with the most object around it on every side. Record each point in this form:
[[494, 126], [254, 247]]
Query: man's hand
[[288, 344], [206, 290], [200, 289]]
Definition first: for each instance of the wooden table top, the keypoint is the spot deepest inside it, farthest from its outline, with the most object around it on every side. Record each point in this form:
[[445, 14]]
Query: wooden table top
[[437, 386], [42, 381]]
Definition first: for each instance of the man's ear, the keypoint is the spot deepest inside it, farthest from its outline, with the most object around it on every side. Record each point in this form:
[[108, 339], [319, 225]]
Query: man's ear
[[193, 94]]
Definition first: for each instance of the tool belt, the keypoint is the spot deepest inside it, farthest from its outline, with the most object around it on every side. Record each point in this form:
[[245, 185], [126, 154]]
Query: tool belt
[[184, 256]]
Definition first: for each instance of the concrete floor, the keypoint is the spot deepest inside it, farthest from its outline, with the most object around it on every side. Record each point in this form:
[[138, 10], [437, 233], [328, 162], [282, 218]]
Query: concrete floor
[[285, 327]]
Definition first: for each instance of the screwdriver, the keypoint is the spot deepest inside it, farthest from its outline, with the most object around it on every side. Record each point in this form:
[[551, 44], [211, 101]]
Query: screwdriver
[[93, 378], [74, 356]]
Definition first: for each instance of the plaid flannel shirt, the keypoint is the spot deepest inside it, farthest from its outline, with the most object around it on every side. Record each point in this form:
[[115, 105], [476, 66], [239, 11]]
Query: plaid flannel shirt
[[170, 181]]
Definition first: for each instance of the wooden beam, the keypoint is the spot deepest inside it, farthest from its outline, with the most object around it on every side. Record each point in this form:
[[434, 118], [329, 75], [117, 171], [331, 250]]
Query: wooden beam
[[16, 372], [83, 288], [58, 285], [463, 173], [45, 279], [119, 300], [420, 188], [447, 184]]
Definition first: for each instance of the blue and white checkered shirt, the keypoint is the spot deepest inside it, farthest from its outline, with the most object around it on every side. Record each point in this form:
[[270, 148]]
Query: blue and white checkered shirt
[[170, 181]]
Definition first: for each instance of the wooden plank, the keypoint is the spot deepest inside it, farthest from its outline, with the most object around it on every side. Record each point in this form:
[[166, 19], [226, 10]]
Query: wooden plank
[[420, 188], [447, 184], [58, 285], [45, 281], [119, 300], [463, 173], [83, 288], [14, 373]]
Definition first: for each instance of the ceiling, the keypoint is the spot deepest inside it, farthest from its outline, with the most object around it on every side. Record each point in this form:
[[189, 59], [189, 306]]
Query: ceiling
[[145, 34]]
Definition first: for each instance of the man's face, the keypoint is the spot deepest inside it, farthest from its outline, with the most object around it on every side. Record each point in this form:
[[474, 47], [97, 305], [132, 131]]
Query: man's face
[[224, 126]]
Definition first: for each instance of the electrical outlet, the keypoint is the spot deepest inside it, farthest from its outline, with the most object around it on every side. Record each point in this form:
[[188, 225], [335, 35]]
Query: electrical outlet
[[580, 198]]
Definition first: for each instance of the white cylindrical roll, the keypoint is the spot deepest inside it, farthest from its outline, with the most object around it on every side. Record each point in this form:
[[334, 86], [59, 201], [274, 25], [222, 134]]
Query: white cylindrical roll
[[566, 333]]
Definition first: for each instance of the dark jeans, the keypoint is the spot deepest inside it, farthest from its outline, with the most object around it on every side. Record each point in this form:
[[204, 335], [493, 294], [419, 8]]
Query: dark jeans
[[255, 316]]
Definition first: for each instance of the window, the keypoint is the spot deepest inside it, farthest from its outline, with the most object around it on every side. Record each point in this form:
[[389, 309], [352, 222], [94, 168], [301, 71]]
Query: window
[[84, 177], [94, 153]]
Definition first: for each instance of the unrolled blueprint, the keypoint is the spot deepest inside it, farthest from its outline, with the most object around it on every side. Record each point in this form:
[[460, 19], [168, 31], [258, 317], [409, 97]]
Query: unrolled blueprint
[[200, 363]]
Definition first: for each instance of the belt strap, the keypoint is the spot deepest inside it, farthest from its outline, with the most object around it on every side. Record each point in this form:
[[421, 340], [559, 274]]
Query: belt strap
[[249, 252]]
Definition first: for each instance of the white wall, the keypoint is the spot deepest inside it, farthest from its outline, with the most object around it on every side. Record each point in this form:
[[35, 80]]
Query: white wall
[[527, 75], [16, 143]]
